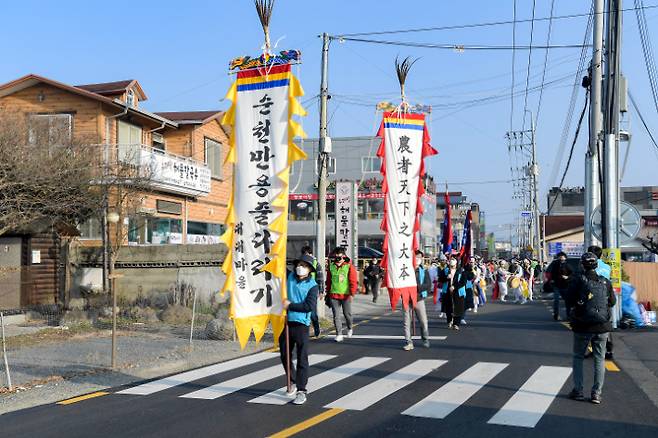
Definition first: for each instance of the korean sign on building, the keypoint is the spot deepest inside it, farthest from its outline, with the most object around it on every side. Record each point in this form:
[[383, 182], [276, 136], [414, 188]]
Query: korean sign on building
[[346, 218]]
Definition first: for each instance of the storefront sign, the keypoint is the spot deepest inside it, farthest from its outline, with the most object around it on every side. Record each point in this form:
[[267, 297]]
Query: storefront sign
[[345, 217]]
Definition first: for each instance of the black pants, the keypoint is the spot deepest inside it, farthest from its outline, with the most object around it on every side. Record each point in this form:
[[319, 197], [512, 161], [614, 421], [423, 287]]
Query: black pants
[[298, 334], [374, 289]]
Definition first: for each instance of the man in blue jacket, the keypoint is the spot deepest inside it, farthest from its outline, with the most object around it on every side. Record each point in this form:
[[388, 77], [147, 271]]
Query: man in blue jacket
[[302, 292]]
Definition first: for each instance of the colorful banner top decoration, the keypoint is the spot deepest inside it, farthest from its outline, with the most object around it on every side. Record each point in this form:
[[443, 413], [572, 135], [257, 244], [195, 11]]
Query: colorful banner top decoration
[[405, 144], [262, 151]]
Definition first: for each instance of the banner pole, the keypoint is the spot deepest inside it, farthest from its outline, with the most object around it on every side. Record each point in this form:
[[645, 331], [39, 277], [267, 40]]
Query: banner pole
[[289, 380]]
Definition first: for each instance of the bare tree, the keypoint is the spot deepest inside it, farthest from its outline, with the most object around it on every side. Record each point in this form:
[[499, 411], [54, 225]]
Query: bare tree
[[651, 244], [45, 180]]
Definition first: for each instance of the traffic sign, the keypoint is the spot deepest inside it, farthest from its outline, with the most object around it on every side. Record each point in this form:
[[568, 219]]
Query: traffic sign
[[629, 222]]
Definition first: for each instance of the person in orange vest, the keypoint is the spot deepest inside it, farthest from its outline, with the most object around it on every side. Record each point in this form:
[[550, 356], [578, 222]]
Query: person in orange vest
[[342, 284]]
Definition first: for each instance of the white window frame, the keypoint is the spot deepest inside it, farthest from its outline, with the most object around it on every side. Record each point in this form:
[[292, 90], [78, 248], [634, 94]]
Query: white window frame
[[330, 163], [130, 98], [370, 159], [32, 139], [220, 173]]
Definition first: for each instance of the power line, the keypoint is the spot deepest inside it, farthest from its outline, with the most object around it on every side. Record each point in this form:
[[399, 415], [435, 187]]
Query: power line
[[485, 24], [647, 50], [646, 127], [527, 80], [511, 114], [543, 76], [573, 147], [460, 47], [572, 105]]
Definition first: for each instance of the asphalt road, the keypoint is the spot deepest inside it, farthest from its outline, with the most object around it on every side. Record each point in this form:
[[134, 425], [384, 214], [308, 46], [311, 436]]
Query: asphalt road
[[506, 373]]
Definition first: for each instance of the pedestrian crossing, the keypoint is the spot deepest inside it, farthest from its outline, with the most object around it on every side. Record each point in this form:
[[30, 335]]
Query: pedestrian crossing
[[524, 408]]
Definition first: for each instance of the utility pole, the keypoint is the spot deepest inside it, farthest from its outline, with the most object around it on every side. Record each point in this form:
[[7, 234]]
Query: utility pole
[[592, 177], [323, 156], [534, 179], [610, 189]]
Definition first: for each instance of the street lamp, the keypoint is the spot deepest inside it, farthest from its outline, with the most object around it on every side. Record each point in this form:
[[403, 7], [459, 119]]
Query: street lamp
[[112, 217]]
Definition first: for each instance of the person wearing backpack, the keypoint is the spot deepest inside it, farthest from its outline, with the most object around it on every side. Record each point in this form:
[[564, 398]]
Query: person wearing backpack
[[591, 299]]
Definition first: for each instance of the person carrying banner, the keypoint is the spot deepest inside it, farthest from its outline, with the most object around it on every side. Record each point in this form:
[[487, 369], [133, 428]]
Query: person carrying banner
[[302, 299], [342, 285], [318, 276], [453, 293], [424, 288]]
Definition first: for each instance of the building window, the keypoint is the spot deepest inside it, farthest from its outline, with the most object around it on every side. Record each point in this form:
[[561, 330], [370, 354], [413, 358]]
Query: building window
[[370, 164], [158, 141], [50, 129], [204, 232], [213, 154], [91, 229], [302, 210], [130, 140], [144, 230], [331, 166], [638, 197], [130, 98], [371, 209]]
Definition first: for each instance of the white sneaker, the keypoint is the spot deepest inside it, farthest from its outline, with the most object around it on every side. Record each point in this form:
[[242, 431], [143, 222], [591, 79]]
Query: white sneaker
[[408, 346], [300, 399], [463, 321], [339, 338], [475, 310], [450, 325], [292, 392], [350, 332], [442, 315]]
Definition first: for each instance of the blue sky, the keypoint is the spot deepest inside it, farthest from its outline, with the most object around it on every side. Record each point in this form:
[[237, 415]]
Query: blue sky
[[179, 52]]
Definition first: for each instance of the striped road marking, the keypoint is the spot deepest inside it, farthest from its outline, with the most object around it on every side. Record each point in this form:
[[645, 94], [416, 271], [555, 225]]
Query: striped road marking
[[70, 401], [189, 376], [370, 394], [453, 394], [532, 400], [322, 380], [392, 337], [239, 383]]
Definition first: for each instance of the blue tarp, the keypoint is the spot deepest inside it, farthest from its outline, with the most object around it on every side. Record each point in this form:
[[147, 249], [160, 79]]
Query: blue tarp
[[629, 303]]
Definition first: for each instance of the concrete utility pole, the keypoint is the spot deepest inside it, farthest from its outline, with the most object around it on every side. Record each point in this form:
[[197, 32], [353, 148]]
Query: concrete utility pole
[[592, 183], [323, 156], [534, 175], [610, 189]]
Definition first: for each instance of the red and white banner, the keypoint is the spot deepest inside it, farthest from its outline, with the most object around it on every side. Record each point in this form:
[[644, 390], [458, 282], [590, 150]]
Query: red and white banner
[[405, 145]]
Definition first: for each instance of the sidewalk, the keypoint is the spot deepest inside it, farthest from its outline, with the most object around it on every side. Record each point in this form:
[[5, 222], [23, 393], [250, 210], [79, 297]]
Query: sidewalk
[[636, 352]]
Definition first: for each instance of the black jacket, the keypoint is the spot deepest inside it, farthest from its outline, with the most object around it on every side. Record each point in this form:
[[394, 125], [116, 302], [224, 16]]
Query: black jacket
[[578, 287], [557, 271]]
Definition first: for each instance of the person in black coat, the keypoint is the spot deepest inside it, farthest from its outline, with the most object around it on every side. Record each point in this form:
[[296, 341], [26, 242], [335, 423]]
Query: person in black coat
[[453, 293], [591, 298]]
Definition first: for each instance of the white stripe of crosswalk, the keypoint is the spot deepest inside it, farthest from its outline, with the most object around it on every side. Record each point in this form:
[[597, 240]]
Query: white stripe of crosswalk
[[453, 394], [370, 394], [189, 376], [247, 380], [532, 400], [392, 337], [324, 379]]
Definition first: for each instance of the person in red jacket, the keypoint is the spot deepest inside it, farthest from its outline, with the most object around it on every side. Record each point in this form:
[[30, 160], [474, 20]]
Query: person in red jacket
[[342, 284]]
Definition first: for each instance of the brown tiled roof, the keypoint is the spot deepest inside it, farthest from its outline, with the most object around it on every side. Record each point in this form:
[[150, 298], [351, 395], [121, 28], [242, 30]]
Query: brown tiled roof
[[559, 224], [116, 87], [107, 87], [191, 117]]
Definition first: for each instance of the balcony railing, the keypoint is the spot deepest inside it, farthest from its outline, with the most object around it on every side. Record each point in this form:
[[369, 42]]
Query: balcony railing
[[166, 171]]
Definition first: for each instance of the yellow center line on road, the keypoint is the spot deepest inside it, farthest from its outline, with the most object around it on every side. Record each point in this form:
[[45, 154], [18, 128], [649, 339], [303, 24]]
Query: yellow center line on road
[[82, 397], [611, 366], [307, 424]]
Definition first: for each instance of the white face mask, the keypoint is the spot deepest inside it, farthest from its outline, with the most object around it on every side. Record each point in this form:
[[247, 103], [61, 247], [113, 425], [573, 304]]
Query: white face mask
[[453, 263], [302, 271]]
